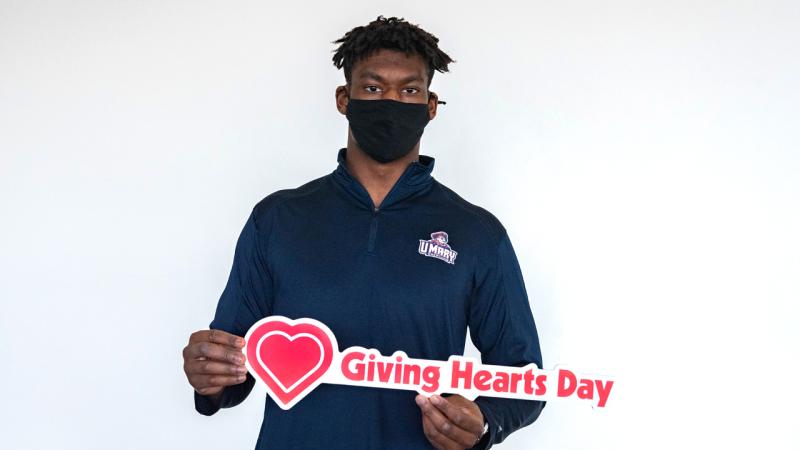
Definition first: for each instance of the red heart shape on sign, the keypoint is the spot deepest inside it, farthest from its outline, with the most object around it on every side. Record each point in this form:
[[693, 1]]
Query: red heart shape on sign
[[289, 356]]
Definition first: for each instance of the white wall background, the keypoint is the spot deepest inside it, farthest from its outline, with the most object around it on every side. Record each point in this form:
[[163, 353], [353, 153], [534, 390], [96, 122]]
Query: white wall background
[[643, 156]]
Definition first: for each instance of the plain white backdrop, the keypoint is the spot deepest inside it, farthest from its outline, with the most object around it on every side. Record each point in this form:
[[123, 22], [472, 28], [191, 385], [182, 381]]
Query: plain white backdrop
[[643, 156]]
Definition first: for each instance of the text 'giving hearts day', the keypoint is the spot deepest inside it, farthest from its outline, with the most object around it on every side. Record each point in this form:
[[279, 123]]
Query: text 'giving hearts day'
[[292, 357]]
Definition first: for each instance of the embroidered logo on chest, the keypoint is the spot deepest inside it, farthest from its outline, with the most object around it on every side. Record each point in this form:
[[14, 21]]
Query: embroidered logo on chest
[[437, 247]]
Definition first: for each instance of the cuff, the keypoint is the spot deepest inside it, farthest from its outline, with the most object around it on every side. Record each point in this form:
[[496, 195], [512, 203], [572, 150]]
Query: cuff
[[486, 441], [204, 405]]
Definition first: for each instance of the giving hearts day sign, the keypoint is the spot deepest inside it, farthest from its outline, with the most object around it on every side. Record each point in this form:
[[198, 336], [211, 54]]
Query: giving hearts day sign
[[292, 357]]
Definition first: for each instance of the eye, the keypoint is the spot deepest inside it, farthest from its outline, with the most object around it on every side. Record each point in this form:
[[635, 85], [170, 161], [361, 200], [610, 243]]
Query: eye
[[370, 88], [413, 89]]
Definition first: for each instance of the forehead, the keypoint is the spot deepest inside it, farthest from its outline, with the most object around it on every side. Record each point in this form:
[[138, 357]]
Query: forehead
[[390, 65]]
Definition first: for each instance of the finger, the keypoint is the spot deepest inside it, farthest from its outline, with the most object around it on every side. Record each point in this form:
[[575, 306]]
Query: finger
[[211, 381], [215, 352], [458, 414], [217, 337], [443, 425], [209, 390], [210, 367], [436, 438]]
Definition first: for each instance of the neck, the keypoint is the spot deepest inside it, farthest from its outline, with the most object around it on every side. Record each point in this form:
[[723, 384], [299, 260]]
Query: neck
[[377, 178]]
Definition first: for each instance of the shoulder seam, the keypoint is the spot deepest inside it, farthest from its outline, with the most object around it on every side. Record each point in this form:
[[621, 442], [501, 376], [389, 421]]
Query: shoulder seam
[[496, 234], [318, 181]]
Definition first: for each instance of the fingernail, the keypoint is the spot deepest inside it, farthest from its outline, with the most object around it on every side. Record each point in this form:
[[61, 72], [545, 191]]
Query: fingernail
[[240, 342], [420, 400], [435, 399], [241, 377], [241, 369]]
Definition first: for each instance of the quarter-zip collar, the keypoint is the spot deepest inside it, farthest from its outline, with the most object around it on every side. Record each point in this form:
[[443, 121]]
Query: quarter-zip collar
[[415, 178]]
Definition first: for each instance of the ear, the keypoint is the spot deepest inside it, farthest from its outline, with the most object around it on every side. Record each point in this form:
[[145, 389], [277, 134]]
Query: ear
[[433, 101], [341, 99]]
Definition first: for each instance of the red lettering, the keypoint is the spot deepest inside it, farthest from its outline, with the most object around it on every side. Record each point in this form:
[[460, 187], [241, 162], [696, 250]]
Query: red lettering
[[501, 383], [515, 379], [566, 383], [540, 387], [464, 375], [385, 371], [481, 378], [356, 374]]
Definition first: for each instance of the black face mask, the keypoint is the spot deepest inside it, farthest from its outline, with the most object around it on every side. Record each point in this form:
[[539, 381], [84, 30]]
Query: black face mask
[[386, 129]]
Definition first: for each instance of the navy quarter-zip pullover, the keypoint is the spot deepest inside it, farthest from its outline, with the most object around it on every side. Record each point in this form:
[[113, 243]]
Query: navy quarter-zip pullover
[[411, 274]]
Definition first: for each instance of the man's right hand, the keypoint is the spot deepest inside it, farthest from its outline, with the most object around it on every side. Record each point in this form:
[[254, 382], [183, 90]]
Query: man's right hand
[[212, 360]]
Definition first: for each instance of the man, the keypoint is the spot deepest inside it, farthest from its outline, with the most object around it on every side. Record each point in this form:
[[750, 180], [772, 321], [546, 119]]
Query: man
[[345, 249]]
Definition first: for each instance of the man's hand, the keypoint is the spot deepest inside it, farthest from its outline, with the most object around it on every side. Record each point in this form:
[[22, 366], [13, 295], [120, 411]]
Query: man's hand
[[212, 360], [450, 422]]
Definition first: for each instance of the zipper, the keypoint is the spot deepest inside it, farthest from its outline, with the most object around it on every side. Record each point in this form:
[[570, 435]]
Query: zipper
[[373, 226], [373, 229]]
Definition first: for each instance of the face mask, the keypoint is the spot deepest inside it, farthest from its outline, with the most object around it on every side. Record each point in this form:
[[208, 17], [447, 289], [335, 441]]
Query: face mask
[[386, 129]]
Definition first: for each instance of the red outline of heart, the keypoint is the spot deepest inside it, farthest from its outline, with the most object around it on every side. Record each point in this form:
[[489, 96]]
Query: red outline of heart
[[287, 399]]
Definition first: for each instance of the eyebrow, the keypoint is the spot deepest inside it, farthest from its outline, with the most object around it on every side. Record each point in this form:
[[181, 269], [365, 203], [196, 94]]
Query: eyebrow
[[375, 76]]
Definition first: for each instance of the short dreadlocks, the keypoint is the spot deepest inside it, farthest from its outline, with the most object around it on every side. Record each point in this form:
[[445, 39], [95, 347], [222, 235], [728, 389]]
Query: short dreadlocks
[[391, 33]]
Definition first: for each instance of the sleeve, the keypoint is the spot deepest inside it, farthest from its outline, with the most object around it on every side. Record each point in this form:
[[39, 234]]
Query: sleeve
[[502, 328], [247, 298]]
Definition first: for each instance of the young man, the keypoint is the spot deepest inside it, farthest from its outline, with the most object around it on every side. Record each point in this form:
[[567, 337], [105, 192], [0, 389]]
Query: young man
[[388, 258]]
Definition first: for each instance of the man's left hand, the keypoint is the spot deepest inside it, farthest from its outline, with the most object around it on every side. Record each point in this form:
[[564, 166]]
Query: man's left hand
[[452, 422]]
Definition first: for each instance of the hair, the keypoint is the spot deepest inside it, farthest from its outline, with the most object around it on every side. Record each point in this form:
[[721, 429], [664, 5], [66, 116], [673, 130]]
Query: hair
[[392, 33]]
